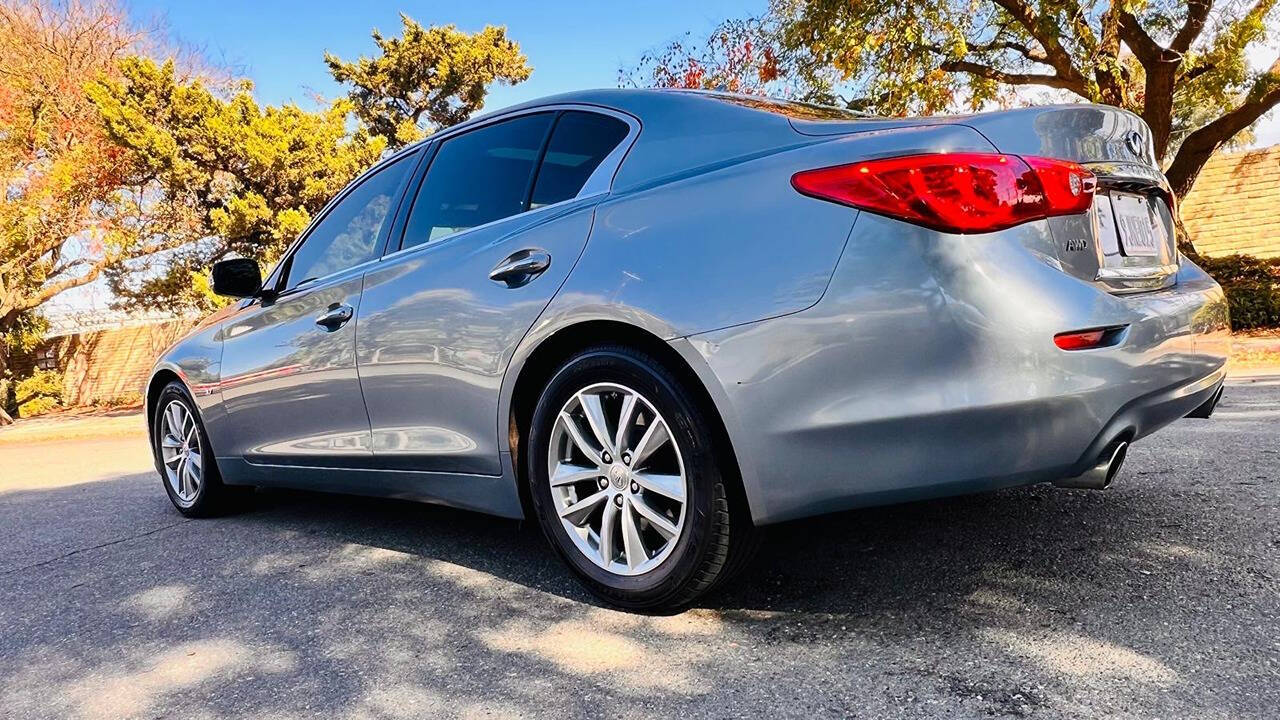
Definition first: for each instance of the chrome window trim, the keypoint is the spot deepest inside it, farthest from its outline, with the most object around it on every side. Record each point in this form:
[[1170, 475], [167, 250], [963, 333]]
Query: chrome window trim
[[599, 183], [633, 123]]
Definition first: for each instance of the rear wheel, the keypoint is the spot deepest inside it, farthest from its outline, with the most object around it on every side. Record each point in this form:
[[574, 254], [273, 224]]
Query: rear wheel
[[625, 480], [184, 459]]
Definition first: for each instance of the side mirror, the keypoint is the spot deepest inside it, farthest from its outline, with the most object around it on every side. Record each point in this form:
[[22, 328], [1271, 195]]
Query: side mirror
[[237, 278]]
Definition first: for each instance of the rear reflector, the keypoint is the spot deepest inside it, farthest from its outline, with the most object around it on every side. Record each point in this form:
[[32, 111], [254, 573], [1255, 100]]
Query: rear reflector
[[1079, 340], [956, 192], [1086, 339]]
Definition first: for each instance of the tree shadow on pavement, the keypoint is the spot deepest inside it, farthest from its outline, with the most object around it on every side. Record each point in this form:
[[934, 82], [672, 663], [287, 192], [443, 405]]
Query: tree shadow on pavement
[[1025, 601]]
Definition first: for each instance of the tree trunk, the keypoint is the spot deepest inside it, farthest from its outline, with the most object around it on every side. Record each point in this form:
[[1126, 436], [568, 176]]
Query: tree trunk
[[1157, 110], [1200, 145]]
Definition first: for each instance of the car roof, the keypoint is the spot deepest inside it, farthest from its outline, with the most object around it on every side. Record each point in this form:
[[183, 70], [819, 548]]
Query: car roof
[[641, 101]]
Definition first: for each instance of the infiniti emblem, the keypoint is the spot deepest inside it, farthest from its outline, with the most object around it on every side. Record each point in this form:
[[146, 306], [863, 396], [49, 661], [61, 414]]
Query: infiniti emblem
[[1134, 141], [618, 474]]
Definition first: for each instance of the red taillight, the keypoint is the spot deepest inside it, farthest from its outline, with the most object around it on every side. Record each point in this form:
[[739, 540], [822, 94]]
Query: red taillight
[[1079, 340], [1092, 338], [956, 192]]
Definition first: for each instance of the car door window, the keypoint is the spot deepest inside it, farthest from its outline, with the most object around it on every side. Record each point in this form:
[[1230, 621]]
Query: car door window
[[579, 143], [477, 177], [348, 235]]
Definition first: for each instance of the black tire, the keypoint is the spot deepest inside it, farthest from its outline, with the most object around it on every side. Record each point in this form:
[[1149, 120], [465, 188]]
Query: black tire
[[713, 531], [212, 497]]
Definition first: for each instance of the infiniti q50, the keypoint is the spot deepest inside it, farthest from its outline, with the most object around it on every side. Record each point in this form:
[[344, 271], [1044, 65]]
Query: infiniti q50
[[656, 321]]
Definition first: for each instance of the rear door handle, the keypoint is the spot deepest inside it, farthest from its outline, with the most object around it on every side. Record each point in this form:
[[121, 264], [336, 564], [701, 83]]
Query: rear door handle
[[521, 267], [335, 317]]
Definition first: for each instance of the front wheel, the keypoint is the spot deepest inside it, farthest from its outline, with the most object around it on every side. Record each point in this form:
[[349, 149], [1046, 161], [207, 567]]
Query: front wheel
[[626, 483], [185, 460]]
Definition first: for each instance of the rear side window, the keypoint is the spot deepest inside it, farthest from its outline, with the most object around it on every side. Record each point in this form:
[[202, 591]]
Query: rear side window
[[477, 177], [579, 143]]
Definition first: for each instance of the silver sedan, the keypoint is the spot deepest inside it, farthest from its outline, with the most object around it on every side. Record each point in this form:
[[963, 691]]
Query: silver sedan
[[658, 320]]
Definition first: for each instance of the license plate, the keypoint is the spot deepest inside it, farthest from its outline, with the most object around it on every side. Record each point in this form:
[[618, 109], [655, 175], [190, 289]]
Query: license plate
[[1141, 228]]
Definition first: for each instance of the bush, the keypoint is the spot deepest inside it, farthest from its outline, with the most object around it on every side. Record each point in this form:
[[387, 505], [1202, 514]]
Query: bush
[[132, 398], [1252, 286], [39, 393]]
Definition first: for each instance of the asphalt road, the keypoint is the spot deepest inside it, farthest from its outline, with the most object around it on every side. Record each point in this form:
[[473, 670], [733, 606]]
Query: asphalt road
[[1157, 598]]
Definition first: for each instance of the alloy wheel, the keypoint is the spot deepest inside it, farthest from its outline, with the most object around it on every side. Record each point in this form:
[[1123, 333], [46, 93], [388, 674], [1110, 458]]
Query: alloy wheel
[[617, 478], [180, 452]]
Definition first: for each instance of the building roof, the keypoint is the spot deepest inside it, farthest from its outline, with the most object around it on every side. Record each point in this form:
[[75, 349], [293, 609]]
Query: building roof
[[1234, 206], [71, 322]]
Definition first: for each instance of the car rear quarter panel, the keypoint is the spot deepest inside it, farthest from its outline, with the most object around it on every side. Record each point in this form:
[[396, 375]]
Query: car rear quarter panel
[[929, 368], [733, 243]]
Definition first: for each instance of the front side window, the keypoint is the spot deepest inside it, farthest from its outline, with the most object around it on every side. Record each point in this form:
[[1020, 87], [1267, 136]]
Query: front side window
[[348, 235], [476, 178], [579, 143]]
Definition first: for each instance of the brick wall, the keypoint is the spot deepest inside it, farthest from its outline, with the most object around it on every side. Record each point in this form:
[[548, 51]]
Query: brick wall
[[1234, 206], [107, 366]]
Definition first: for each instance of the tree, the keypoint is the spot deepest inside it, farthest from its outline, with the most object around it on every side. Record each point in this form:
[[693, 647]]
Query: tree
[[63, 219], [223, 175], [738, 56], [1180, 65], [435, 75]]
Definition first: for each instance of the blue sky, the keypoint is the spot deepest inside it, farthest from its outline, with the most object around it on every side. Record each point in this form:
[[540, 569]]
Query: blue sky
[[281, 44]]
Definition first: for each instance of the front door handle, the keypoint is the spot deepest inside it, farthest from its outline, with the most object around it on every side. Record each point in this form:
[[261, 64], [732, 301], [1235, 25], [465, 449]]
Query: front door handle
[[521, 267], [335, 317]]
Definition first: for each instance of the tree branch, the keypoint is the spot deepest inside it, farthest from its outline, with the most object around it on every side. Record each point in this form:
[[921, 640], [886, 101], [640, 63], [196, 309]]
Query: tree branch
[[1197, 15], [1110, 85], [1195, 72], [990, 73], [1027, 52], [1200, 145], [48, 291], [1161, 65], [1149, 52], [1068, 76]]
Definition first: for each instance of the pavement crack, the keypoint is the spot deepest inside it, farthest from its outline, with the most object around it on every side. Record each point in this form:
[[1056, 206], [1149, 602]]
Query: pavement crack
[[99, 546]]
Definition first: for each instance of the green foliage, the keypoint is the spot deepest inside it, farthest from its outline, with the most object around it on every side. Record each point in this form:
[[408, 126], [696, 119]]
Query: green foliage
[[228, 176], [437, 75], [24, 333], [37, 406], [1252, 286], [39, 393], [925, 55]]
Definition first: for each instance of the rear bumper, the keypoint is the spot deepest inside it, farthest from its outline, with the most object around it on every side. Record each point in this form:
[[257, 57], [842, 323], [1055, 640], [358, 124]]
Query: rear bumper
[[1143, 416], [943, 378], [1181, 335]]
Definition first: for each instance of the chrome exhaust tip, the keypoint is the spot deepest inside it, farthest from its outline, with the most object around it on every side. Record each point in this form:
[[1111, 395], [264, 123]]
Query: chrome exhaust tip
[[1101, 475]]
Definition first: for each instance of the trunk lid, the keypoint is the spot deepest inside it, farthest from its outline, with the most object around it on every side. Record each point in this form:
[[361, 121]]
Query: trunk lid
[[1127, 241]]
